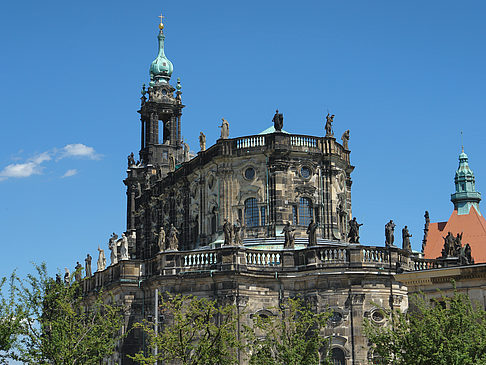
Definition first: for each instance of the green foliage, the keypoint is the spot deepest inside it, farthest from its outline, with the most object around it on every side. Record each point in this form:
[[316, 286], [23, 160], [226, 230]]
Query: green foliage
[[445, 332], [196, 331], [60, 327], [292, 337], [11, 316]]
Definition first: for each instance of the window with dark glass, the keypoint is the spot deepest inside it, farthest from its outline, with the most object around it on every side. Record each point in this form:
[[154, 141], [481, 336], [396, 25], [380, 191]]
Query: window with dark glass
[[262, 215], [305, 172], [250, 173], [305, 211], [294, 215], [251, 212], [337, 356]]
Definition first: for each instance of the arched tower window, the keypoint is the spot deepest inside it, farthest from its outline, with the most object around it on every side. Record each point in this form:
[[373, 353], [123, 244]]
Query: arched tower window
[[251, 212], [305, 211], [337, 356]]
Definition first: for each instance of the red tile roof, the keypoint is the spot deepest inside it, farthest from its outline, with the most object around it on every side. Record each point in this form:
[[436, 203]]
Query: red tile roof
[[474, 227]]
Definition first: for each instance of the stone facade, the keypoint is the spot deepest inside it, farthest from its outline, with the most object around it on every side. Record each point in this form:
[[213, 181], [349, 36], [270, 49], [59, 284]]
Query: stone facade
[[177, 205], [353, 281]]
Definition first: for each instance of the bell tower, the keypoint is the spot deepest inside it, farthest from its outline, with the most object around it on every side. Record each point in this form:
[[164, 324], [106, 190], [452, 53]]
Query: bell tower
[[161, 147], [161, 114]]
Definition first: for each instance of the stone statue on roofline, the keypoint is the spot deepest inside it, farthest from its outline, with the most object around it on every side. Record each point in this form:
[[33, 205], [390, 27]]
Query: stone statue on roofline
[[87, 265], [101, 264], [78, 271], [345, 139], [202, 141], [237, 232], [124, 247], [289, 234], [228, 232], [406, 245], [173, 240], [328, 127], [312, 233], [278, 121], [389, 233], [112, 245], [224, 129], [67, 276], [353, 234], [161, 239]]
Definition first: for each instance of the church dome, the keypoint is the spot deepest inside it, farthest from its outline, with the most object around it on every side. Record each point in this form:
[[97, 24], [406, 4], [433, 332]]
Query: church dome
[[161, 68]]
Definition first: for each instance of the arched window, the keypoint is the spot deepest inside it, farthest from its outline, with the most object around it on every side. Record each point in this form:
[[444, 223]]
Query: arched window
[[337, 356], [305, 211], [251, 212]]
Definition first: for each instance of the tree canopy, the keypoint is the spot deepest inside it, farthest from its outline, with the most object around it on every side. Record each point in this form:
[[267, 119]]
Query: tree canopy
[[196, 331], [59, 326], [291, 337], [448, 331]]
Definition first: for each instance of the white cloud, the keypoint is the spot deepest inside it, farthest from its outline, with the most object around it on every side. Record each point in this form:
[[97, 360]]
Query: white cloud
[[79, 150], [26, 169], [33, 166], [69, 173]]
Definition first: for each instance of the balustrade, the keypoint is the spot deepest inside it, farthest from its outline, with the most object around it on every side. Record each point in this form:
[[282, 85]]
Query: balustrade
[[302, 141], [250, 142], [256, 258]]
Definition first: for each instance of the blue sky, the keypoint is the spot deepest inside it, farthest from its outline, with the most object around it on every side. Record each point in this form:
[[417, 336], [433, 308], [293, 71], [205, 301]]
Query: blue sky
[[404, 77]]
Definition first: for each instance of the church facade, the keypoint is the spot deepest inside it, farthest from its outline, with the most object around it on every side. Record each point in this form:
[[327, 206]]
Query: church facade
[[250, 221]]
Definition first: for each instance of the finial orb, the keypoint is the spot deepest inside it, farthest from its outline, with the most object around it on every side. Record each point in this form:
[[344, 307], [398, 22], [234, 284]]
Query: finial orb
[[161, 26]]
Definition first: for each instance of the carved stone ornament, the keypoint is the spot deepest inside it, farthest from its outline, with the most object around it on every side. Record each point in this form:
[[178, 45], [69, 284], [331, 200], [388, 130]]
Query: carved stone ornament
[[305, 190]]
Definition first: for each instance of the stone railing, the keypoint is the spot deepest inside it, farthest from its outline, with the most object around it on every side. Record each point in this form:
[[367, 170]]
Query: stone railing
[[274, 141], [243, 259]]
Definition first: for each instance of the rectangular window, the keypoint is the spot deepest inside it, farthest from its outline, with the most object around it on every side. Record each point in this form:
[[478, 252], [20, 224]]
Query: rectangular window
[[294, 215], [262, 215]]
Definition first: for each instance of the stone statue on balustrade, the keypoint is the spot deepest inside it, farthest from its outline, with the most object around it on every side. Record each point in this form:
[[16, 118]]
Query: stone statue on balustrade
[[389, 233], [202, 141], [228, 232], [345, 139], [186, 151], [329, 121], [448, 250], [58, 279], [458, 244], [312, 233], [67, 276], [173, 240], [353, 234], [131, 160], [112, 245], [87, 265], [124, 247], [237, 232], [78, 271], [161, 239], [289, 234], [101, 260], [278, 121], [406, 245], [224, 129]]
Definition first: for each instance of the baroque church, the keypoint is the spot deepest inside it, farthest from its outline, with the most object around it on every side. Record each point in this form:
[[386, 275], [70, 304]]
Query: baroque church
[[250, 221]]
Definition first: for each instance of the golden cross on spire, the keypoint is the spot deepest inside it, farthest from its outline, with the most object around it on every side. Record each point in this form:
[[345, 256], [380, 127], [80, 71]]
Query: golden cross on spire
[[161, 25]]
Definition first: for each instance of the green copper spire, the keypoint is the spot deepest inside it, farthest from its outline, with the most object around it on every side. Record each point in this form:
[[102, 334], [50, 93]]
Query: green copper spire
[[161, 68], [466, 195]]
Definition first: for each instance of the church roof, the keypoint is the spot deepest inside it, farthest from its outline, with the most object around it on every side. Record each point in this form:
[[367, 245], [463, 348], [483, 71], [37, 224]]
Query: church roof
[[474, 227], [271, 129]]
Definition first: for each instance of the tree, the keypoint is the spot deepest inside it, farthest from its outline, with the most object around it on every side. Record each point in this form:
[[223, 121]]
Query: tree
[[11, 316], [292, 337], [61, 327], [195, 331], [449, 331]]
